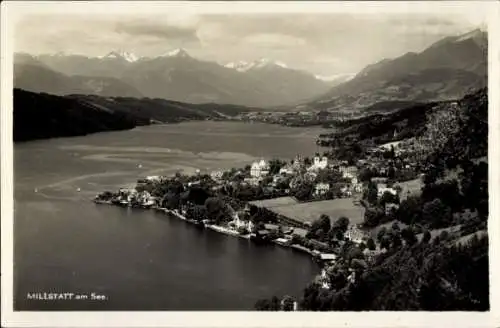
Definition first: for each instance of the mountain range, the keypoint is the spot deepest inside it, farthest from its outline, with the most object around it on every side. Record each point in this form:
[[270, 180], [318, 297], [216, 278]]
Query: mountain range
[[175, 75], [448, 69]]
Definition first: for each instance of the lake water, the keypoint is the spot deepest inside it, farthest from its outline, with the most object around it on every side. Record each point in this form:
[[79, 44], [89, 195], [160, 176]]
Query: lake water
[[139, 259]]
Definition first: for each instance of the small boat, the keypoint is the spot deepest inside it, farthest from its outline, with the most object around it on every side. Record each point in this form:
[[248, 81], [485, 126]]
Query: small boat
[[36, 190]]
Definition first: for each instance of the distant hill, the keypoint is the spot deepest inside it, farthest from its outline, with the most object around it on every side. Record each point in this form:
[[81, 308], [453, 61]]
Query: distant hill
[[40, 115], [37, 77], [175, 76], [448, 69]]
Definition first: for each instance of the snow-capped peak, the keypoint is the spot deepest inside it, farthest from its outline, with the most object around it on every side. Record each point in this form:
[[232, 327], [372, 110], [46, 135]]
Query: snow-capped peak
[[243, 66], [240, 66], [344, 77], [264, 62], [179, 52], [128, 56]]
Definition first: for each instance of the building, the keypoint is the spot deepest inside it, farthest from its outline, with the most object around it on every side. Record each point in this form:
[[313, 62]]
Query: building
[[382, 188], [346, 191], [299, 232], [145, 198], [288, 169], [319, 163], [260, 168], [298, 162], [321, 188], [216, 175], [271, 227], [283, 241], [348, 172], [252, 181], [355, 235], [389, 207], [371, 255], [310, 176], [327, 257], [357, 187]]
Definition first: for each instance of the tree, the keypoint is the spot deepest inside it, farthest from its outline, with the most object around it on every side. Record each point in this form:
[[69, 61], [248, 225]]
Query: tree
[[444, 235], [365, 175], [341, 224], [436, 213], [385, 242], [371, 194], [381, 233], [409, 211], [408, 236], [262, 305], [396, 240], [322, 224], [371, 244], [275, 304], [426, 237], [388, 198], [373, 217], [391, 172], [288, 302]]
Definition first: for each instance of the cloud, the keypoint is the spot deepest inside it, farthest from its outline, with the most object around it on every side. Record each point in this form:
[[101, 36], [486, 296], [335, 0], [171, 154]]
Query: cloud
[[273, 40], [160, 31], [323, 43]]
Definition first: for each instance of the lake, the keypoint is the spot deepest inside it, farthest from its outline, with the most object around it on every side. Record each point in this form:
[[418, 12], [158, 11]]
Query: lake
[[140, 259]]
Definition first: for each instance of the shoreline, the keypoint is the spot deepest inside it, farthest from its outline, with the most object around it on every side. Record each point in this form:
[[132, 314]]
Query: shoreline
[[216, 228]]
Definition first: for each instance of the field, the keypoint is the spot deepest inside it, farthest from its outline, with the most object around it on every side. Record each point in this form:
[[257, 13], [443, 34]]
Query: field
[[270, 203], [309, 212], [411, 187]]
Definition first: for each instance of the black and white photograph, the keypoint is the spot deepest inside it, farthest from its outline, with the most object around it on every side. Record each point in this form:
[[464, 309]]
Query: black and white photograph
[[183, 158]]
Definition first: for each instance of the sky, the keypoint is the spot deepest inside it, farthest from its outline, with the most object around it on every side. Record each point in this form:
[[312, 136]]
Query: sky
[[323, 44]]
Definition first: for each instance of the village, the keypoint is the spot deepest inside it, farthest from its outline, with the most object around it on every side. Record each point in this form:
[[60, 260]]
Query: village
[[289, 203]]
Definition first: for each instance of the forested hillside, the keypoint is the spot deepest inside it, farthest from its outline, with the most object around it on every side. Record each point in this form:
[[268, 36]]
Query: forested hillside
[[40, 115], [432, 247]]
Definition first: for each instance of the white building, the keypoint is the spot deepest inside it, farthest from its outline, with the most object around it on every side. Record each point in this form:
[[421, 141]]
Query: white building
[[259, 168], [321, 188], [389, 207], [216, 175], [383, 189], [346, 191], [355, 235], [287, 170], [348, 172], [319, 163], [145, 198], [298, 162], [310, 176]]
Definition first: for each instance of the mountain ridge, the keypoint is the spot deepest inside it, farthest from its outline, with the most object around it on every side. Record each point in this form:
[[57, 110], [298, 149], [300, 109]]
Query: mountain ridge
[[447, 69], [177, 76]]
